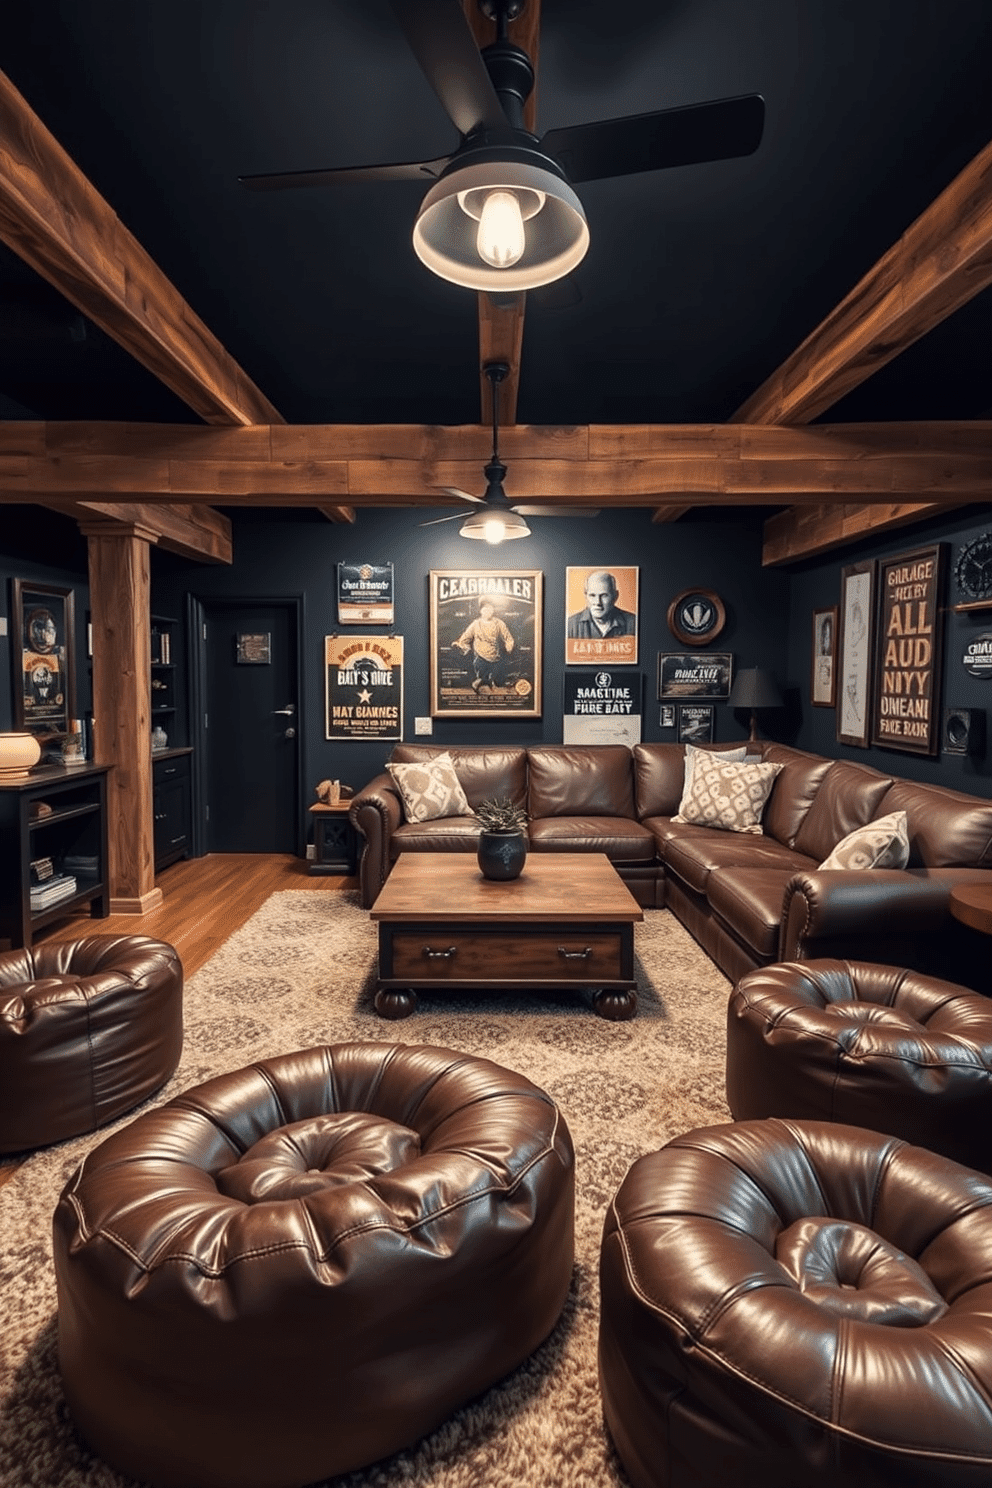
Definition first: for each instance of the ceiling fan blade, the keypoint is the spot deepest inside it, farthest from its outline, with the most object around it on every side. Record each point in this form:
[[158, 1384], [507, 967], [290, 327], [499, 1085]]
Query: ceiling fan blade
[[557, 511], [455, 517], [721, 130], [465, 496], [414, 170], [441, 39]]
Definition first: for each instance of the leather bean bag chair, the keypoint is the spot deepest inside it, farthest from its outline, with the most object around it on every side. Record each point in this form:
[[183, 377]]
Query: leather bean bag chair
[[88, 1030], [299, 1268], [875, 1046], [792, 1303]]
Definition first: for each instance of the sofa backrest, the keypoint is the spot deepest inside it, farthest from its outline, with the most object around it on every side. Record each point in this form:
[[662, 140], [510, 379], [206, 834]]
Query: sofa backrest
[[796, 787], [582, 780], [659, 776], [849, 796], [485, 772], [946, 828]]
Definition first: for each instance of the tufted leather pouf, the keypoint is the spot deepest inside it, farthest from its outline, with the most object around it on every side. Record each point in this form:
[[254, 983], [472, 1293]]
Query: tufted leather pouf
[[798, 1303], [296, 1269], [876, 1046], [88, 1030]]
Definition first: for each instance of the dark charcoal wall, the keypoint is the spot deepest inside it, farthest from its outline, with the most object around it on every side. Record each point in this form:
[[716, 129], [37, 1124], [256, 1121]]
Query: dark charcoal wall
[[297, 556]]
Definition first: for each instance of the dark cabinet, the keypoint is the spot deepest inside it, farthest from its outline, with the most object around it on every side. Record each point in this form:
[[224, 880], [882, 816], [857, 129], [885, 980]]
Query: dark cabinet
[[53, 827], [171, 805]]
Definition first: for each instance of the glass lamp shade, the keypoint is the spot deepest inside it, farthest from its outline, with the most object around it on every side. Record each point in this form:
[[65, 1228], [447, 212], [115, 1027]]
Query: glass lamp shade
[[466, 215], [494, 526]]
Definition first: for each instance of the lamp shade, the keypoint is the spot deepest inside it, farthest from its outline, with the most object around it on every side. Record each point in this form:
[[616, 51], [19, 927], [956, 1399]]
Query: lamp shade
[[755, 688], [501, 224], [493, 525]]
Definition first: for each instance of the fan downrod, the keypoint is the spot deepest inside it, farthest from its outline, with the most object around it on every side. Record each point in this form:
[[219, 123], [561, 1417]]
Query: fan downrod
[[497, 10]]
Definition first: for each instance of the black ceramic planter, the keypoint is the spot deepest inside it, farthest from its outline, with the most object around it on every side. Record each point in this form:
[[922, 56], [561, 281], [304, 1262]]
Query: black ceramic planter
[[502, 854]]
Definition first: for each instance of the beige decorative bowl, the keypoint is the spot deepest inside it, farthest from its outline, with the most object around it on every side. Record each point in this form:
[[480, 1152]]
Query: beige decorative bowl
[[18, 752]]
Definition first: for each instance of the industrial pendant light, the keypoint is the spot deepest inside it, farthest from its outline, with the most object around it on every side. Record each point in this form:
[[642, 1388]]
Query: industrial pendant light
[[495, 521]]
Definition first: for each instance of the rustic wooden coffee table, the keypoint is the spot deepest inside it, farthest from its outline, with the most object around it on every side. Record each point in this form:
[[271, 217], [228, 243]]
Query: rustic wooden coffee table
[[566, 922]]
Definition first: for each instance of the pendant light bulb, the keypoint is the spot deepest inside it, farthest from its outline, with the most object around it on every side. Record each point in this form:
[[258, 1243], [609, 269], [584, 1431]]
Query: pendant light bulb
[[494, 530], [500, 239]]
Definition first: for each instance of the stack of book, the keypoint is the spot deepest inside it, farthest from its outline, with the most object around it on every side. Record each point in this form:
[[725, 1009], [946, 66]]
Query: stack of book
[[60, 886]]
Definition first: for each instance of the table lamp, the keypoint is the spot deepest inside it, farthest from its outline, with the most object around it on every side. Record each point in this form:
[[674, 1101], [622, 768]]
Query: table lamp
[[754, 688]]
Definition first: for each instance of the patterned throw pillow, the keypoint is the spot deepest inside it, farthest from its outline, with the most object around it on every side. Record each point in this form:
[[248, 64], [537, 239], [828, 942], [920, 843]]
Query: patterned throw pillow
[[728, 796], [881, 844], [691, 756], [430, 788]]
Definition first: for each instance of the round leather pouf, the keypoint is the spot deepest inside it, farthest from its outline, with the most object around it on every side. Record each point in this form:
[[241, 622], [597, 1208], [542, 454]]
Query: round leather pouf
[[301, 1267], [88, 1029], [874, 1046], [788, 1303]]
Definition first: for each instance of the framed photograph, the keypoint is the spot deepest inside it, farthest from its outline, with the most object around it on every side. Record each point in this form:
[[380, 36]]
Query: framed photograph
[[905, 710], [666, 715], [823, 669], [695, 674], [363, 682], [696, 723], [857, 599], [485, 642], [601, 616], [44, 679]]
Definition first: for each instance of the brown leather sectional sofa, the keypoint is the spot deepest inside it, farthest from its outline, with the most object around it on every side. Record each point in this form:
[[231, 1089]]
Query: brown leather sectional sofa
[[749, 900]]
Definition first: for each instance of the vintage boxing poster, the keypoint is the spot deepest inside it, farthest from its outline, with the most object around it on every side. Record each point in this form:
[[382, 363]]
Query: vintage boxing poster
[[485, 643], [364, 687]]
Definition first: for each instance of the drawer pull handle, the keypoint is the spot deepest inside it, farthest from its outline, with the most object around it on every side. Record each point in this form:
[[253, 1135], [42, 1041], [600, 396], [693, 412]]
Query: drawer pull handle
[[433, 955], [582, 955]]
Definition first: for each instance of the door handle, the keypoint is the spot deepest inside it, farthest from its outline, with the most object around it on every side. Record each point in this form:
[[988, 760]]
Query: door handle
[[284, 712]]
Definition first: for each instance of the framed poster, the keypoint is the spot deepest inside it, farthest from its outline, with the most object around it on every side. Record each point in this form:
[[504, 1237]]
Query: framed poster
[[601, 616], [823, 668], [44, 678], [600, 707], [695, 674], [363, 677], [365, 594], [906, 690], [485, 642], [696, 723], [857, 596]]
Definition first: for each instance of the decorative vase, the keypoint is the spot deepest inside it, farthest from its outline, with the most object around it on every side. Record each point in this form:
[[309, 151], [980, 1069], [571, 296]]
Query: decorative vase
[[502, 854], [18, 752]]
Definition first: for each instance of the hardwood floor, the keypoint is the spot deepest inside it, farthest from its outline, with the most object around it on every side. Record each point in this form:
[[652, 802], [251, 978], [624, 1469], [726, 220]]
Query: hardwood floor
[[204, 901]]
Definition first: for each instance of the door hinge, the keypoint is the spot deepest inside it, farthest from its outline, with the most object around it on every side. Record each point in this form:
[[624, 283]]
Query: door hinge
[[204, 630], [206, 720], [206, 813]]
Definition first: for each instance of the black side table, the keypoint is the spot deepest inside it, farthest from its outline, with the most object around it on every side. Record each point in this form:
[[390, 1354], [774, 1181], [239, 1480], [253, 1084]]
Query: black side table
[[335, 849]]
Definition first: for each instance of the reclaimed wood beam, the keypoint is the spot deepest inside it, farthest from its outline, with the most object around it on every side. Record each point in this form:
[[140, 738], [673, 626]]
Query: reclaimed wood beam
[[196, 532], [804, 531]]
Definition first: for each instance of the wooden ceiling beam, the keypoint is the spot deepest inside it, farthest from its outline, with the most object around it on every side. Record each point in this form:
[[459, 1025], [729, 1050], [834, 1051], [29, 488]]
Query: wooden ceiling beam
[[804, 531]]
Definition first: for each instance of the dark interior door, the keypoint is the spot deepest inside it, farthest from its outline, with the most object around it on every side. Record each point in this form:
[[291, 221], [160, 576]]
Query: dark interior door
[[251, 729]]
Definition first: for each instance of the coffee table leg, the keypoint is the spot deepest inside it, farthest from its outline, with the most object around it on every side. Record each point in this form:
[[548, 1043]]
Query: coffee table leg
[[395, 1002], [616, 1006]]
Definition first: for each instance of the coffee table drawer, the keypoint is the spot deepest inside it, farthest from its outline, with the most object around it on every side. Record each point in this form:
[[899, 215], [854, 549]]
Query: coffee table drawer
[[456, 956]]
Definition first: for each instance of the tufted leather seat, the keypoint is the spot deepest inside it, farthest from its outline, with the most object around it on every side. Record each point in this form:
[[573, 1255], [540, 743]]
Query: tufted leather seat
[[88, 1030], [301, 1267], [876, 1046], [789, 1302]]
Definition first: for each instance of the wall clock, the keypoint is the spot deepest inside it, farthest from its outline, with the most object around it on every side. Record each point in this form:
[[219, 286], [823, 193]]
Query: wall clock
[[973, 569], [696, 617]]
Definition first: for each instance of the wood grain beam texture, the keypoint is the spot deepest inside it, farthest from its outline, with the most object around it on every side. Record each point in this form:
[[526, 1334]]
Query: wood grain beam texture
[[942, 260]]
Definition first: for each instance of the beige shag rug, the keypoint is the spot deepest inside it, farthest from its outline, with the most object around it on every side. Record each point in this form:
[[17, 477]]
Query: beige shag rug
[[300, 972]]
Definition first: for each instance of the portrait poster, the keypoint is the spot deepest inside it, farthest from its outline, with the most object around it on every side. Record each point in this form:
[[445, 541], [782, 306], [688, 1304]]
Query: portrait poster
[[44, 690], [696, 722], [365, 594], [906, 688], [823, 670], [601, 615], [857, 597], [485, 642], [364, 687], [601, 707], [695, 674]]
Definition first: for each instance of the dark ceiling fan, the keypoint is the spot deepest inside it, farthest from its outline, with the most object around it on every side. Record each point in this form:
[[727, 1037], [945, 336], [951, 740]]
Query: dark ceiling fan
[[502, 213], [496, 520]]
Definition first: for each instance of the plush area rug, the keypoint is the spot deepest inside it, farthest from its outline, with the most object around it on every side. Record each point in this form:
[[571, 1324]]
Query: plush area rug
[[299, 973]]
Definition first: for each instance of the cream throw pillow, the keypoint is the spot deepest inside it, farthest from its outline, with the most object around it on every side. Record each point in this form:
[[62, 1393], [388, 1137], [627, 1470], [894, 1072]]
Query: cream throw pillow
[[430, 788], [727, 796], [880, 844], [732, 756]]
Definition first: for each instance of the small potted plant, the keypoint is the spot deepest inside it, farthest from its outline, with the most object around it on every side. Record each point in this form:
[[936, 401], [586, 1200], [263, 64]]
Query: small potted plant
[[503, 839]]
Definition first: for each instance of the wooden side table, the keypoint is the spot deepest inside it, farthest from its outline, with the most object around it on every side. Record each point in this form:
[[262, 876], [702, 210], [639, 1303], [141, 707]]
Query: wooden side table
[[335, 849], [972, 905]]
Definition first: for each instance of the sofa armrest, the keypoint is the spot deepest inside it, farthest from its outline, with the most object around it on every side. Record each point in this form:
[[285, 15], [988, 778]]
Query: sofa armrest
[[881, 914], [375, 812]]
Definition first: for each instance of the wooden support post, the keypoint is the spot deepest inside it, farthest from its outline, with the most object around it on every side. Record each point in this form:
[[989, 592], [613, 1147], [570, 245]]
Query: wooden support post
[[120, 590]]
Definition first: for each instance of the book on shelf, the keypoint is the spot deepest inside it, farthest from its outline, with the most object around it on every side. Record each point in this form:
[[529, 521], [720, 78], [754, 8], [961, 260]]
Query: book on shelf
[[41, 869], [53, 891]]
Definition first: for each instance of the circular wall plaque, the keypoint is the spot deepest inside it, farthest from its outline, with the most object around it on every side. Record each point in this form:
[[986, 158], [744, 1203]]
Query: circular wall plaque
[[977, 656], [696, 616]]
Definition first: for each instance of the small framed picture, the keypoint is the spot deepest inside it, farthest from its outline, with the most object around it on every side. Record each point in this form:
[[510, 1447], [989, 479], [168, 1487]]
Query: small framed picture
[[695, 674], [666, 716], [823, 672], [696, 723], [44, 685], [856, 616]]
